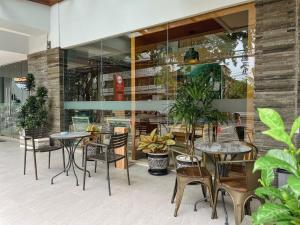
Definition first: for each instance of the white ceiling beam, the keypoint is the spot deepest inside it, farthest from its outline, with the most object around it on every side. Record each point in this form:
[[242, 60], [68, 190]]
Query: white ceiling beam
[[13, 42], [25, 17]]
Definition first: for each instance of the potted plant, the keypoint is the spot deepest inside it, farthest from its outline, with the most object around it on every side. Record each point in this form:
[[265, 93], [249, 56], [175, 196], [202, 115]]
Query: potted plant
[[94, 130], [30, 82], [34, 114], [194, 103], [282, 204], [156, 147]]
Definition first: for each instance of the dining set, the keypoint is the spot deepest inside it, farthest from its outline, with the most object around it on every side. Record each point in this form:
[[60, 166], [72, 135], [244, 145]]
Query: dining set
[[94, 150], [232, 163]]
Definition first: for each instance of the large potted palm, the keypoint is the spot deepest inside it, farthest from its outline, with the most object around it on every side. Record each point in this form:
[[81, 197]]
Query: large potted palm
[[193, 104]]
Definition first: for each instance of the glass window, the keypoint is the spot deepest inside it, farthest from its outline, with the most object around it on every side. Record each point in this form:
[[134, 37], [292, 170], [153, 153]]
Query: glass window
[[132, 79]]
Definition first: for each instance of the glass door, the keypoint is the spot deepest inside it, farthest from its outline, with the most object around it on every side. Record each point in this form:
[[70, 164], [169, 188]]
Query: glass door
[[12, 95]]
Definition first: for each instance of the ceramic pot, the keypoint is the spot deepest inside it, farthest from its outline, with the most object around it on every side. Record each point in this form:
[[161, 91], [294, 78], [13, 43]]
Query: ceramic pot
[[158, 163]]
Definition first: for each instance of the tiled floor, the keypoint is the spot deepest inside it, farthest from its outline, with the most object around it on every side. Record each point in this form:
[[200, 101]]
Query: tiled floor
[[25, 201]]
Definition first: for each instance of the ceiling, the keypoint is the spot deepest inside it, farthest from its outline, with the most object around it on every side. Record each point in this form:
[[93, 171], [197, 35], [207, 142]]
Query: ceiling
[[11, 57], [46, 2]]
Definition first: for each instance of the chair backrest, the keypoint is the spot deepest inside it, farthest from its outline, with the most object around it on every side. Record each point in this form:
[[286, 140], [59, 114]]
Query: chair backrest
[[247, 168], [253, 154], [80, 123], [251, 178], [39, 132], [240, 131], [180, 137], [118, 141], [141, 128], [194, 162]]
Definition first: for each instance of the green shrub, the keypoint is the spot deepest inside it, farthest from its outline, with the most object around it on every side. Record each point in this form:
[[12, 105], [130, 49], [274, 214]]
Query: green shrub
[[282, 205]]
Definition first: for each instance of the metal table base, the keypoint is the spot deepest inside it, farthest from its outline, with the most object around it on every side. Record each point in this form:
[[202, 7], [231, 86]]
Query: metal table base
[[70, 146]]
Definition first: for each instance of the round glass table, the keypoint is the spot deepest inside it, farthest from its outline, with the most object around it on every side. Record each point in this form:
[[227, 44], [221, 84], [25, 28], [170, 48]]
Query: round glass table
[[70, 141]]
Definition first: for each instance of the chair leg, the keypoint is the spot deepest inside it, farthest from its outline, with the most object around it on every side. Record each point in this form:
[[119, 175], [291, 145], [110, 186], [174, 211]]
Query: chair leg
[[82, 160], [214, 211], [127, 168], [174, 192], [238, 212], [84, 175], [49, 159], [239, 203], [35, 167], [108, 178], [95, 166], [179, 195], [209, 186], [211, 193], [203, 187], [63, 155], [25, 157], [248, 207]]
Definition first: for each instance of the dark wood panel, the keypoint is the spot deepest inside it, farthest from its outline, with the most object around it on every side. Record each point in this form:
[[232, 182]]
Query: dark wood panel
[[179, 32]]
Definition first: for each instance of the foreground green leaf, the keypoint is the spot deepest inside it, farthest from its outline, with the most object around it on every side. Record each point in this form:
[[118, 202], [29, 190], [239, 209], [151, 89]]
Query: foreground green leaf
[[269, 162], [294, 183], [279, 135], [284, 156], [267, 177], [295, 127], [269, 192], [270, 213], [271, 118]]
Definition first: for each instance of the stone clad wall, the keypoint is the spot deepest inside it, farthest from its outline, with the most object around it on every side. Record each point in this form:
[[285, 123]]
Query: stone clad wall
[[47, 67], [277, 62]]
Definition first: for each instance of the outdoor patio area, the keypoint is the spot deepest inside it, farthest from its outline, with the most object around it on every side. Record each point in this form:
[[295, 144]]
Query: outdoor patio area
[[146, 201], [125, 113]]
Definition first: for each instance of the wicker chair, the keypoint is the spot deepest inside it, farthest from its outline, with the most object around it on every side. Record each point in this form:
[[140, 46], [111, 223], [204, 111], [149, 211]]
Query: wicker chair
[[32, 134], [240, 188], [187, 175], [106, 153]]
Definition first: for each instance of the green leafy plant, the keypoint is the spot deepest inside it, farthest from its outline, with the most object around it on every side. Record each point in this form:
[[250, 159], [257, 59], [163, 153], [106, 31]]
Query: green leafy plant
[[194, 103], [30, 82], [154, 143], [282, 205], [34, 113]]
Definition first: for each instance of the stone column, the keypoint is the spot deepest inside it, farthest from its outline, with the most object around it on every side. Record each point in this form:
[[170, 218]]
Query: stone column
[[276, 63], [47, 67]]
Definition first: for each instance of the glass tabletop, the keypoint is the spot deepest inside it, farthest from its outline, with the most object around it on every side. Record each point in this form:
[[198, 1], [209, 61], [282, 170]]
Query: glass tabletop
[[69, 135], [232, 147]]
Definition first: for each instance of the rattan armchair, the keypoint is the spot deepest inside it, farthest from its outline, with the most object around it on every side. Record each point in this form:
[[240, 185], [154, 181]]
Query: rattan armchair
[[191, 174], [240, 188]]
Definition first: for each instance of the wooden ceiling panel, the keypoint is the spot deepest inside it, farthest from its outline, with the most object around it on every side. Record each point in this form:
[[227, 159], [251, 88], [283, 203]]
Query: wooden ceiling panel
[[46, 2], [177, 32]]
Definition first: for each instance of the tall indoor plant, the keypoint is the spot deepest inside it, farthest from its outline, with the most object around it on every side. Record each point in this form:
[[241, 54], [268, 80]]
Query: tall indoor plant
[[194, 103], [282, 204]]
